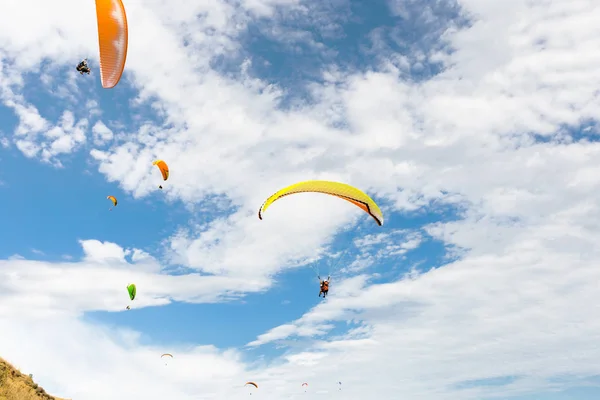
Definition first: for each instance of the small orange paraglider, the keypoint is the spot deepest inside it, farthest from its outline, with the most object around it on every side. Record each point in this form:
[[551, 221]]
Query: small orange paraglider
[[164, 170]]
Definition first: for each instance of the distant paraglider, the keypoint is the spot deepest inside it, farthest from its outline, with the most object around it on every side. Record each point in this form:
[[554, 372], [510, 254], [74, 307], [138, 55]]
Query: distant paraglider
[[341, 190], [112, 40], [164, 170], [251, 384], [324, 286], [132, 290], [114, 201], [83, 67], [166, 355], [305, 384]]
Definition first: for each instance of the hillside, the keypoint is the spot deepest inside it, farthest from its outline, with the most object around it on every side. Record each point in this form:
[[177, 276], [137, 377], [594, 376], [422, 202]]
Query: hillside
[[17, 386]]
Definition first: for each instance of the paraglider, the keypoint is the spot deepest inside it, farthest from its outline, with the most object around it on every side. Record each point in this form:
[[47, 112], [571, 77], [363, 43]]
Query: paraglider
[[341, 190], [83, 68], [166, 355], [114, 201], [132, 290], [340, 383], [324, 284], [112, 40], [251, 384], [164, 170], [304, 384]]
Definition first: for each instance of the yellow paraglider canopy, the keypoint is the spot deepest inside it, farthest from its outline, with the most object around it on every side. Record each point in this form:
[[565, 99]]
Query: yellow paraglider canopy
[[113, 199], [341, 190]]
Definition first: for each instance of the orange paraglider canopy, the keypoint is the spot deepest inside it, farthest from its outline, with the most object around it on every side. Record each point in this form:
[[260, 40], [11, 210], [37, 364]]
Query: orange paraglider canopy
[[112, 40], [163, 167]]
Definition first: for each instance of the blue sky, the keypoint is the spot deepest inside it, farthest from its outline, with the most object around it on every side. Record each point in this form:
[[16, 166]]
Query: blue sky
[[479, 285]]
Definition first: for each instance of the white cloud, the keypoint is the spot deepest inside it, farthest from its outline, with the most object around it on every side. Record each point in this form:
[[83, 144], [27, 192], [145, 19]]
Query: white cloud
[[102, 134], [78, 349], [97, 251], [376, 248], [98, 282], [456, 319], [64, 137]]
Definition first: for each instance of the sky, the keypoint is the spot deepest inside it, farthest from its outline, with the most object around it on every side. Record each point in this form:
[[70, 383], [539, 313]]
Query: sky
[[472, 123]]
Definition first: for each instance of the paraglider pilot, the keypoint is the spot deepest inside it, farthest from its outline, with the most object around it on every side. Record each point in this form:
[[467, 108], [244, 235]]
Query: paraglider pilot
[[324, 286], [83, 68]]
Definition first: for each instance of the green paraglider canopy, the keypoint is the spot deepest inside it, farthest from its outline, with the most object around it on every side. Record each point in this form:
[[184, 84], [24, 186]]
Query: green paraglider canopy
[[131, 289]]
